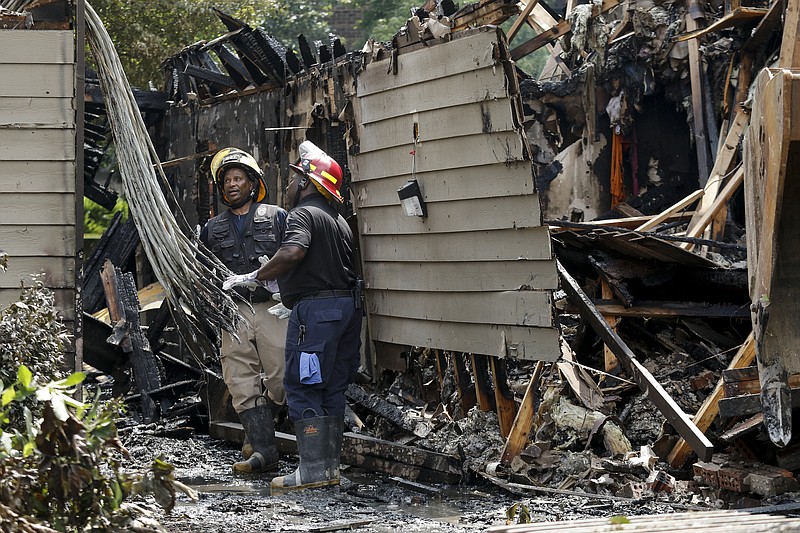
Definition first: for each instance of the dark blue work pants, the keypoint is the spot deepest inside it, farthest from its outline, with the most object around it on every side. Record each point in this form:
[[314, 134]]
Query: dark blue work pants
[[332, 332]]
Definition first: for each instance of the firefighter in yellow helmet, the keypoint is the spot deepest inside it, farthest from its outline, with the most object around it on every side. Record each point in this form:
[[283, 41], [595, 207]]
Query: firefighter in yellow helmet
[[315, 267], [243, 236]]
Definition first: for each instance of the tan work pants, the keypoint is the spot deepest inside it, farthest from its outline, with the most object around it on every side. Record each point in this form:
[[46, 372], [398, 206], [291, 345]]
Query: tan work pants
[[256, 359]]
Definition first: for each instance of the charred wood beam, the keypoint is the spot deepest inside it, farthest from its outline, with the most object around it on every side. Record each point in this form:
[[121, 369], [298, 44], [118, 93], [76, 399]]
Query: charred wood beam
[[408, 462], [118, 244], [293, 62], [749, 404], [466, 389], [306, 53], [523, 422], [123, 306], [233, 66], [324, 53], [663, 309], [216, 80], [643, 378], [483, 383], [386, 410], [337, 47], [503, 396]]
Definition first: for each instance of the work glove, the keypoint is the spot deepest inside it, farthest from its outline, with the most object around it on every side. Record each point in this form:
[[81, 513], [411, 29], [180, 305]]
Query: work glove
[[277, 296], [272, 284], [242, 280], [280, 311]]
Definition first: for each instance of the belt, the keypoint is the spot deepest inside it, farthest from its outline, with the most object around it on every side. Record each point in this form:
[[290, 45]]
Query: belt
[[332, 294]]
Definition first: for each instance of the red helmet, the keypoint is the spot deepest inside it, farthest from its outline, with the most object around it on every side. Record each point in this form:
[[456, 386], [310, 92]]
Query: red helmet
[[320, 167]]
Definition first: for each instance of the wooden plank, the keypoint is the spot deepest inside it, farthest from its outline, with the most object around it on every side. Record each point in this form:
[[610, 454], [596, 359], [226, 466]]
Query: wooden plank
[[37, 145], [671, 410], [611, 363], [626, 223], [470, 118], [461, 277], [483, 389], [749, 404], [464, 88], [42, 81], [44, 209], [673, 209], [517, 25], [497, 245], [503, 396], [722, 165], [584, 387], [523, 422], [722, 198], [466, 389], [738, 381], [48, 111], [483, 181], [696, 75], [513, 308], [449, 217], [668, 309], [37, 176], [37, 241], [738, 16], [456, 57], [708, 411], [27, 47], [59, 272], [522, 342], [475, 150], [790, 50]]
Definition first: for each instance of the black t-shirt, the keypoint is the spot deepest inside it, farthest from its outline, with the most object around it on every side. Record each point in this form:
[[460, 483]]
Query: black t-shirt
[[329, 263]]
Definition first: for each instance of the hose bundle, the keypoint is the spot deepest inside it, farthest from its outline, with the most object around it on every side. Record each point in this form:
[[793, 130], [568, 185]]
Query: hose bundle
[[190, 274]]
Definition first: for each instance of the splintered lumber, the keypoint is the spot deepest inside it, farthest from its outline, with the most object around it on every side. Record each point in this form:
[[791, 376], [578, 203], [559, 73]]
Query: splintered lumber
[[719, 202], [611, 363], [503, 396], [466, 390], [480, 369], [521, 20], [408, 462], [722, 166], [708, 411], [772, 185], [694, 14], [748, 404], [579, 381], [523, 422], [790, 51], [643, 378], [738, 381], [738, 16], [675, 208], [123, 304], [384, 409], [563, 27]]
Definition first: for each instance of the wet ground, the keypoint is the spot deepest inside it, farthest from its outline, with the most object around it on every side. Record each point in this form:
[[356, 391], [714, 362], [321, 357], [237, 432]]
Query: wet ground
[[364, 502]]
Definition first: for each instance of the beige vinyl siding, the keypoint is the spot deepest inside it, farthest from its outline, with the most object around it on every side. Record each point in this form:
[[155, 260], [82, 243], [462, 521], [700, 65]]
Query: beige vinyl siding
[[38, 163], [477, 274]]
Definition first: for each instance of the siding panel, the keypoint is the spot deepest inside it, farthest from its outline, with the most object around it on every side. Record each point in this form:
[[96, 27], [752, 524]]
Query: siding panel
[[51, 112], [458, 277], [37, 176], [52, 46], [512, 308], [527, 243], [37, 241], [477, 274], [64, 302], [59, 272], [522, 342], [37, 209], [37, 144], [44, 81]]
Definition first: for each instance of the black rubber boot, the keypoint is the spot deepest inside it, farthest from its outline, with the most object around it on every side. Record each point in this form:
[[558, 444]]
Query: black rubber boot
[[319, 443], [260, 430]]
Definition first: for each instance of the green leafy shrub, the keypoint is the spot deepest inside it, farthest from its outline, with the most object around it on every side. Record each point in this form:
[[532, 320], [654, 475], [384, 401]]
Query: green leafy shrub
[[97, 218]]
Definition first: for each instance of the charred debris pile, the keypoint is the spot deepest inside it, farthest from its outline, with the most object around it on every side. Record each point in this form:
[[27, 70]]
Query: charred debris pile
[[635, 129]]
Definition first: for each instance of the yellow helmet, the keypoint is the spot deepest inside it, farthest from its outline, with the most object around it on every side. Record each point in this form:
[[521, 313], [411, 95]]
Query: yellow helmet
[[234, 157]]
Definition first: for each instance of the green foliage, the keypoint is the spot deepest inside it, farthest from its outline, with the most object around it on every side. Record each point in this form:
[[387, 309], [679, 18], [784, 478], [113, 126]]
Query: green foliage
[[145, 33], [32, 336], [532, 64], [62, 471], [381, 19], [97, 218]]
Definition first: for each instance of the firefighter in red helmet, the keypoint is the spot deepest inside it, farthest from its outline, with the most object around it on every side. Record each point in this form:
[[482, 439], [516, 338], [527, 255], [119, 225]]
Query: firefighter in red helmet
[[315, 267]]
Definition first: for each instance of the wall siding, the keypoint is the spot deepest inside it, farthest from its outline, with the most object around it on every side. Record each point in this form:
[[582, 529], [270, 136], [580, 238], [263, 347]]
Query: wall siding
[[477, 274], [38, 164]]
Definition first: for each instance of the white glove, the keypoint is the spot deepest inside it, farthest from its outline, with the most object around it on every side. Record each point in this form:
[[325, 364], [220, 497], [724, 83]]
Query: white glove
[[280, 311], [272, 284], [276, 296], [242, 280]]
